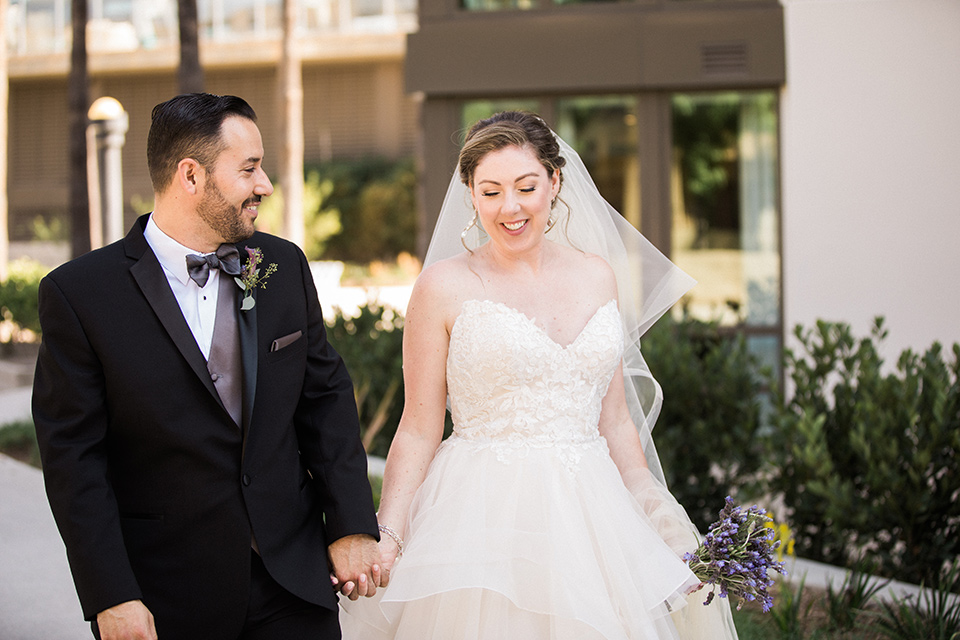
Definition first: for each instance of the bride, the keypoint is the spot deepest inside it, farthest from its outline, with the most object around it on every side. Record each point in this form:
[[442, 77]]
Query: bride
[[544, 514]]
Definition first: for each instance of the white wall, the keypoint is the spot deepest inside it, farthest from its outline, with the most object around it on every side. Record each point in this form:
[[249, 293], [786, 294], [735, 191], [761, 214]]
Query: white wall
[[871, 167]]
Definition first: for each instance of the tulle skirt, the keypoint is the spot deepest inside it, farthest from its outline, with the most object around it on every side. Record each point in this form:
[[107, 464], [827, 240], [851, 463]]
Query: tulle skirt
[[529, 541]]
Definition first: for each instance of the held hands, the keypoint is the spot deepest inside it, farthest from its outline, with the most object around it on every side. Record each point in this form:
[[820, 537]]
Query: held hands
[[356, 569], [127, 621], [389, 552]]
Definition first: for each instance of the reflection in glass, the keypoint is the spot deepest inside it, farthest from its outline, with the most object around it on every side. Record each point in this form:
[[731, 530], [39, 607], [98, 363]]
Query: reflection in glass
[[725, 220], [479, 109], [43, 26], [497, 5], [603, 130]]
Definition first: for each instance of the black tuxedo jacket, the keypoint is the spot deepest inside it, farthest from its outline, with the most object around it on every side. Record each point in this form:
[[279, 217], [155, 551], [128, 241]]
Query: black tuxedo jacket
[[155, 490]]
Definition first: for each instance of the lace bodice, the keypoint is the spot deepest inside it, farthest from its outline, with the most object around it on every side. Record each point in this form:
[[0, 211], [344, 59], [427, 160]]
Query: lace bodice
[[509, 382]]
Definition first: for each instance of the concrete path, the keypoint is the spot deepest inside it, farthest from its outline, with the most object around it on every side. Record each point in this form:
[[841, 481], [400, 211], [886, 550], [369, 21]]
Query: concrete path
[[15, 405], [37, 597]]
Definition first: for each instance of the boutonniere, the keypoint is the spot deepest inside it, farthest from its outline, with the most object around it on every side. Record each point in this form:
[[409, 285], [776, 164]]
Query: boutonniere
[[250, 277]]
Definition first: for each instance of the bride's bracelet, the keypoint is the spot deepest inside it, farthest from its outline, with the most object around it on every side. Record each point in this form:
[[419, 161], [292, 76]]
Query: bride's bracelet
[[393, 534]]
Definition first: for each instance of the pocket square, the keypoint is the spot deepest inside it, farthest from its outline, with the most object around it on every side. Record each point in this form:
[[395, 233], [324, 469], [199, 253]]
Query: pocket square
[[280, 343]]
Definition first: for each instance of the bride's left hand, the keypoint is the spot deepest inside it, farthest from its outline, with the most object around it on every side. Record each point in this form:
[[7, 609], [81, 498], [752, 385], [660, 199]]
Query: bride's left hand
[[389, 552]]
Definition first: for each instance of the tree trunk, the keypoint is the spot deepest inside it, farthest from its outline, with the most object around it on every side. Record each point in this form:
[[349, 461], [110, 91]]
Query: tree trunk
[[77, 103], [4, 94], [291, 110], [190, 73]]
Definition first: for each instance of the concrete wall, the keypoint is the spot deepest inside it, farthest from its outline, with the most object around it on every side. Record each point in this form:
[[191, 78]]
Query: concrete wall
[[871, 166]]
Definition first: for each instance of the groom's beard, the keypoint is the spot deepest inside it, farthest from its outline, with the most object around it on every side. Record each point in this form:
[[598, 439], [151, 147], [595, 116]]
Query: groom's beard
[[229, 221]]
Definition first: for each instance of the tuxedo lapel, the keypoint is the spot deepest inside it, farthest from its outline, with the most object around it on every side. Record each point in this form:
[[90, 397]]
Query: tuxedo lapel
[[150, 277], [249, 351], [247, 326]]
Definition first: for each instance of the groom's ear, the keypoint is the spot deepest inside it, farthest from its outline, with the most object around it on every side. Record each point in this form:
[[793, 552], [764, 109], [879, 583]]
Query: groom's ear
[[190, 176]]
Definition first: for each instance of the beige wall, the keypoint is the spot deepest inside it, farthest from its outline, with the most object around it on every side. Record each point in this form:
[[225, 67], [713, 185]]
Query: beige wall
[[351, 109], [870, 140]]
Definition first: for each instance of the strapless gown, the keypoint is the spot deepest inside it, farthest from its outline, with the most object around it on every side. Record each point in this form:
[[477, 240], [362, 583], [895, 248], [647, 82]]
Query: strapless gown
[[523, 528]]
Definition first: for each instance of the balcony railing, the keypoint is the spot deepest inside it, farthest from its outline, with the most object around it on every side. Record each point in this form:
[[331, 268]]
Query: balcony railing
[[43, 26]]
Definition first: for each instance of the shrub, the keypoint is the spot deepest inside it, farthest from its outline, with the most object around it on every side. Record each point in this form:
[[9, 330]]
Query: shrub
[[353, 210], [791, 610], [19, 440], [706, 434], [845, 605], [933, 615], [321, 221], [376, 198], [18, 297], [867, 461], [371, 346]]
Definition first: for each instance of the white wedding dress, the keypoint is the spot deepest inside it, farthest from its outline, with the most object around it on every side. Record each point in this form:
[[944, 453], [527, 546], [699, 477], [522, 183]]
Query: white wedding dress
[[523, 528]]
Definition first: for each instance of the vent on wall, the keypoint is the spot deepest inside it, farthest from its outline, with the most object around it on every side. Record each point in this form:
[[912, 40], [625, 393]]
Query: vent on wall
[[723, 59]]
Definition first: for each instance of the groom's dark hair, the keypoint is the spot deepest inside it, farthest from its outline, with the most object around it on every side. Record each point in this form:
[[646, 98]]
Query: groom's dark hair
[[188, 126]]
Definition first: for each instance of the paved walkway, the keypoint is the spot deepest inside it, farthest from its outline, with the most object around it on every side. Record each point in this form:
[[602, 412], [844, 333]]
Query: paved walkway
[[37, 598], [15, 405]]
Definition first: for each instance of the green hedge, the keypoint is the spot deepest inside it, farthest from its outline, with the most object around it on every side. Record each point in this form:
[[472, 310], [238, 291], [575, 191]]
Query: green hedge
[[371, 345], [18, 296], [865, 454], [19, 440], [376, 198], [706, 434], [353, 210]]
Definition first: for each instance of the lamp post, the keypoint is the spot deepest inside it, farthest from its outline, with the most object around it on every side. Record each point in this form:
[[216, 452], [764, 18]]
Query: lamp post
[[108, 129]]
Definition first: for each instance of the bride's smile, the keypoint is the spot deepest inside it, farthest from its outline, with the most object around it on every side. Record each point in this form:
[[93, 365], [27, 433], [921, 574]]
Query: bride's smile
[[512, 192]]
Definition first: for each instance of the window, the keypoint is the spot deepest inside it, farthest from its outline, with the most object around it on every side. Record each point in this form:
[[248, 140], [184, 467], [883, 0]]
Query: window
[[725, 218], [480, 109], [719, 184], [497, 5], [603, 130]]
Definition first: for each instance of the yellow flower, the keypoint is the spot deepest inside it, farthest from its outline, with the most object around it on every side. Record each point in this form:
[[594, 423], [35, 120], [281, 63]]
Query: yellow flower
[[783, 535]]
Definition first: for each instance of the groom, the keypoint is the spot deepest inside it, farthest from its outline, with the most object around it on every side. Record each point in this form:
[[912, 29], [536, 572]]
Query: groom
[[200, 442]]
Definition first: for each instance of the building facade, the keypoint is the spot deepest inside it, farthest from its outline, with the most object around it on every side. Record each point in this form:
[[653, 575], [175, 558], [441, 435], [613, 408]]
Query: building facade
[[673, 106], [354, 100], [798, 157]]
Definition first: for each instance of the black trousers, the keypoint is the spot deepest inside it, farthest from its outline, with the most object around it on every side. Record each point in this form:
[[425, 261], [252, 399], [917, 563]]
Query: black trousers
[[276, 614], [273, 613]]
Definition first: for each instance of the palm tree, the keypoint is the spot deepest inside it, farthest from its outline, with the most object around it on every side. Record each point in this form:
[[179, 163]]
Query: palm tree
[[190, 73], [291, 118], [77, 104]]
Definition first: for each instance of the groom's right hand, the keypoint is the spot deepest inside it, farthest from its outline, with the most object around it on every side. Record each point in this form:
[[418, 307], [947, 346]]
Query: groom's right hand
[[127, 621]]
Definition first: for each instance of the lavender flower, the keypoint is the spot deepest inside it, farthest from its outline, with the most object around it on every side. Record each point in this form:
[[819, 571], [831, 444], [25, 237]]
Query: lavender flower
[[736, 555]]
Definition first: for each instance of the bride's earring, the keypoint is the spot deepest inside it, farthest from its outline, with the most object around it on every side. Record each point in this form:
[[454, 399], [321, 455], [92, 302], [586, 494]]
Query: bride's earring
[[552, 220], [466, 230]]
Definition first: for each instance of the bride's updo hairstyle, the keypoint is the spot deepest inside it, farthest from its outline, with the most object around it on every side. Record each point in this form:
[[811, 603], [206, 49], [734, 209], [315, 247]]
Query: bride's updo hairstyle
[[520, 128]]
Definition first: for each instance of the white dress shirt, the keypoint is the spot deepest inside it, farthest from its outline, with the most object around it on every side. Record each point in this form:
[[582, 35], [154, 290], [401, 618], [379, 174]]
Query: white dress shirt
[[198, 304]]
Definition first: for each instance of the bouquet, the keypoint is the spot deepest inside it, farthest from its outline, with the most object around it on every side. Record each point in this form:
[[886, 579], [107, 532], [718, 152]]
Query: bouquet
[[736, 555]]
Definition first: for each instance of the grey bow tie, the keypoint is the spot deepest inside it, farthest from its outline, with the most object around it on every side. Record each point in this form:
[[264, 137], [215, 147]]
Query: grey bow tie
[[227, 259]]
